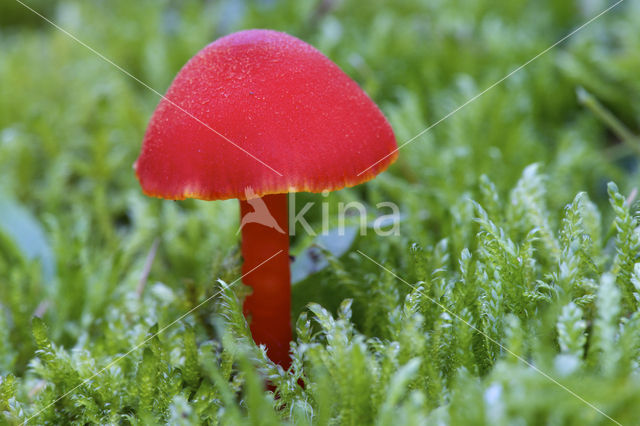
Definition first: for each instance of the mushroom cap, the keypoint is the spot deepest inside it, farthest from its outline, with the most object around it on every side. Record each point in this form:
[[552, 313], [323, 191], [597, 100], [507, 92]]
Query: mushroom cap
[[261, 112]]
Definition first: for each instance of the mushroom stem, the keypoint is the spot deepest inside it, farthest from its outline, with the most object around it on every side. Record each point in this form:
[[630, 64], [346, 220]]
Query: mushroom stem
[[265, 232]]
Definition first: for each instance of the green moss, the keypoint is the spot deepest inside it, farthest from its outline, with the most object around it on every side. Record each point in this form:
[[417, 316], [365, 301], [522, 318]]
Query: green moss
[[512, 246]]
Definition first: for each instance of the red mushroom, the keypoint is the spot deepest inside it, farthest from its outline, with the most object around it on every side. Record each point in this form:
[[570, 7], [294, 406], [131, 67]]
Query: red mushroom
[[260, 113]]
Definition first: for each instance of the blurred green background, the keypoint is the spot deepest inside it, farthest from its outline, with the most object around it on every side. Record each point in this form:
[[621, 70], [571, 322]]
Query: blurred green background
[[75, 229]]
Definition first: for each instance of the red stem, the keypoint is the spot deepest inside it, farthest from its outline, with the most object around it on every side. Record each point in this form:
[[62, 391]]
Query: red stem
[[268, 308]]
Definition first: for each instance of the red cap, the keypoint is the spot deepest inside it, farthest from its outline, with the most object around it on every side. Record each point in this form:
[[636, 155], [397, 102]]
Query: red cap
[[263, 110]]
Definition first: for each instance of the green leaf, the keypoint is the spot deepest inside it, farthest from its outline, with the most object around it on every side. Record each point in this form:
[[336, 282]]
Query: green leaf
[[20, 227]]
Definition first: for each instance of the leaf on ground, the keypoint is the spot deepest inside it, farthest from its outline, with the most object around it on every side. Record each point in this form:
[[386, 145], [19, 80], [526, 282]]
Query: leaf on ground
[[22, 229]]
